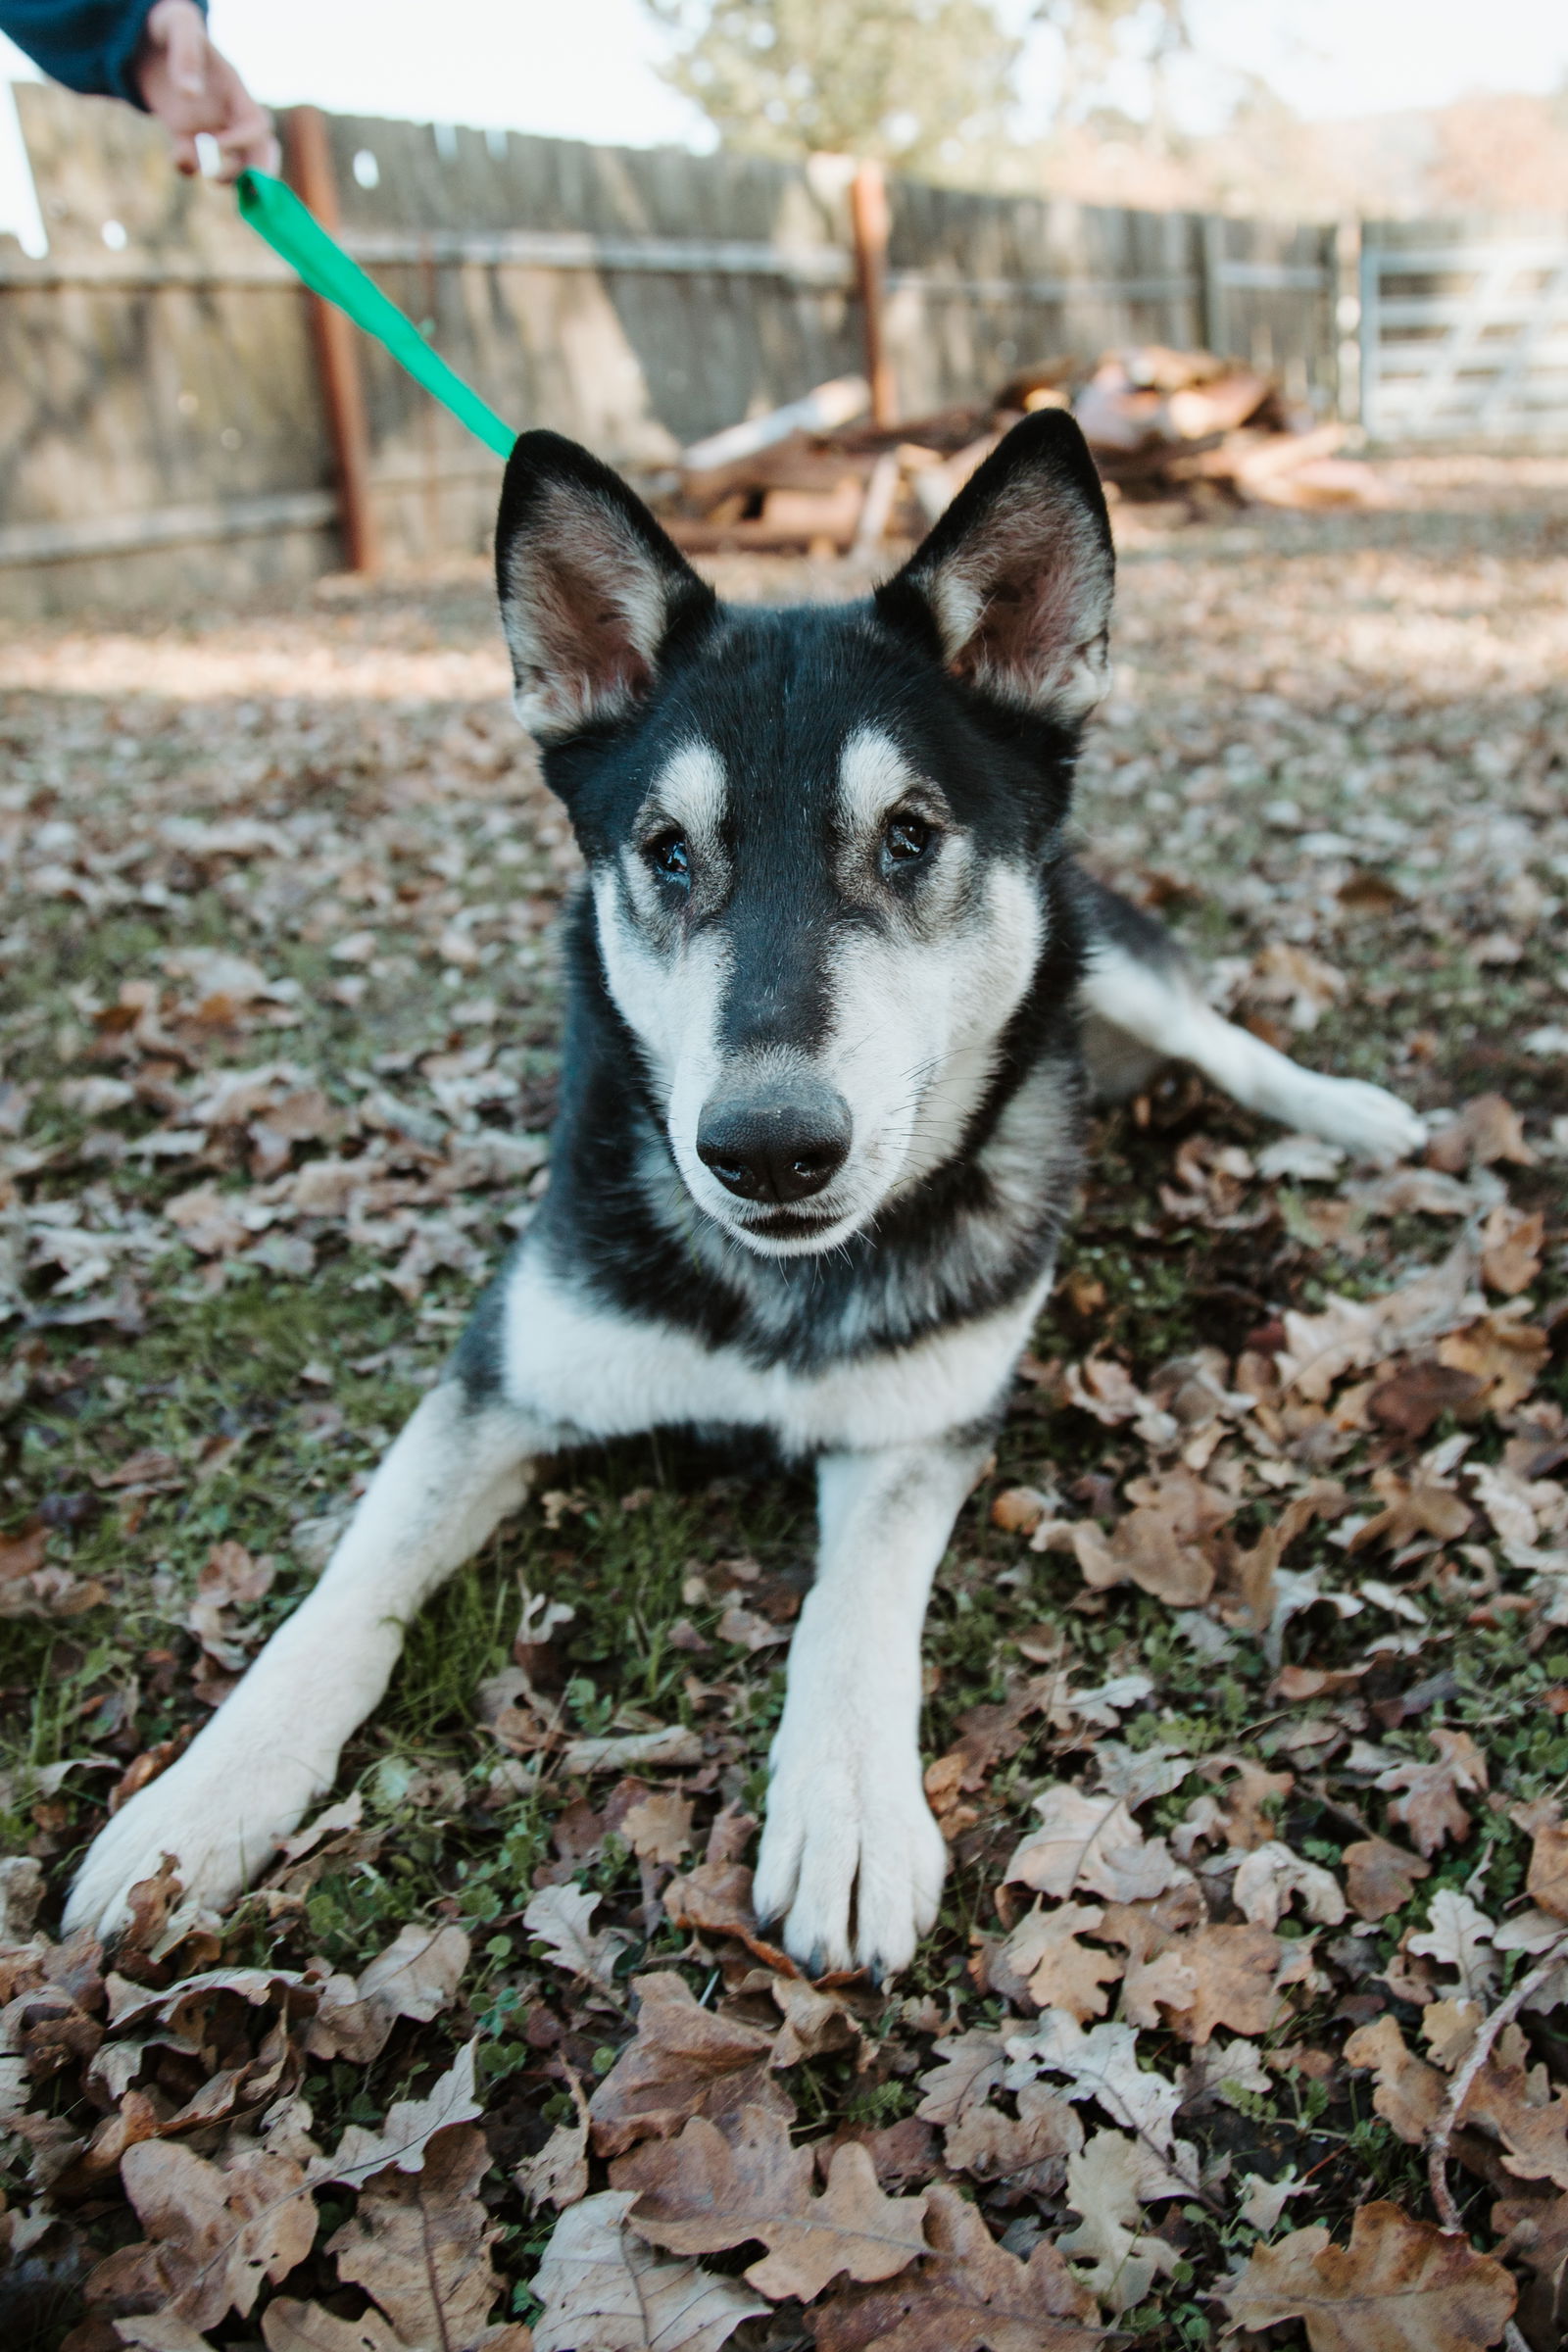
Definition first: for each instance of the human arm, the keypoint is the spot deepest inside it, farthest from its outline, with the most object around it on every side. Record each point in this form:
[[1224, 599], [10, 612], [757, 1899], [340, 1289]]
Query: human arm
[[160, 59]]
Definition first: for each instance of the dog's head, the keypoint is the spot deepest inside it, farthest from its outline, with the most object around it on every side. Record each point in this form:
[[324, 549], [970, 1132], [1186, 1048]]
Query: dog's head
[[821, 841]]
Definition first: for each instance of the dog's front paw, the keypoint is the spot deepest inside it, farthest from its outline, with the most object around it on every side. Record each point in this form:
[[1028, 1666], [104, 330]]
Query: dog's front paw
[[222, 1824], [851, 1861], [1366, 1120]]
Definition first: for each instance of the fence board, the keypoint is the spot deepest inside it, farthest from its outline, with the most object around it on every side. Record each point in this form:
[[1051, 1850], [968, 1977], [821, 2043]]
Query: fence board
[[160, 416], [1464, 329]]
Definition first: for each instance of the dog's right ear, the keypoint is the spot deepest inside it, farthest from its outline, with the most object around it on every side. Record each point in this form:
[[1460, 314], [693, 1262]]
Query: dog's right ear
[[592, 591]]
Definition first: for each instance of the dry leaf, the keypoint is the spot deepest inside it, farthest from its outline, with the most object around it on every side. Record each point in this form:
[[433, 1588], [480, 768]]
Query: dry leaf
[[1510, 2101], [968, 2295], [1504, 1358], [558, 2174], [1511, 1243], [1420, 1505], [161, 2331], [1061, 1972], [1018, 1510], [1548, 1881], [604, 2291], [1234, 1970], [1103, 1387], [1401, 2286], [1517, 2103], [1409, 2094], [415, 1976], [1108, 2184], [708, 2190], [1272, 1876], [1246, 1817], [1352, 1334], [814, 2022], [291, 2327], [1102, 2065], [419, 2243], [1263, 2201], [1145, 1549], [1221, 2071], [1418, 1394], [1029, 2150], [714, 1899], [1381, 1877], [1092, 1842], [1294, 977], [1429, 1807], [1458, 1936], [967, 2069], [1157, 1976], [659, 1827], [684, 2061], [1488, 1129], [559, 1917], [213, 2235], [406, 2135], [1448, 2029]]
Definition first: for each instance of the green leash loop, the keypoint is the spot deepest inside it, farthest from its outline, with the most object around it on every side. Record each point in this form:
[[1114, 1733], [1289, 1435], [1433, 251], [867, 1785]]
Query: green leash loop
[[277, 214]]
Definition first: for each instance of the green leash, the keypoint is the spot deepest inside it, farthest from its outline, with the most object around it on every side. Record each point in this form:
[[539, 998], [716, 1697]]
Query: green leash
[[277, 214]]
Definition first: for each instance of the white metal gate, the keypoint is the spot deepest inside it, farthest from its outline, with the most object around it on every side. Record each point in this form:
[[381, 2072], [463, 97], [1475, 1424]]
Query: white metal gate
[[1463, 331]]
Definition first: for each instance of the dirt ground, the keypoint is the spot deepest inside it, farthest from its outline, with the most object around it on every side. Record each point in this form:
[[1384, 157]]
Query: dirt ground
[[1247, 1667]]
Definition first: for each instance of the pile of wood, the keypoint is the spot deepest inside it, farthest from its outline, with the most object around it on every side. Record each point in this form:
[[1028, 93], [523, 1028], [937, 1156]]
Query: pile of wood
[[1162, 424]]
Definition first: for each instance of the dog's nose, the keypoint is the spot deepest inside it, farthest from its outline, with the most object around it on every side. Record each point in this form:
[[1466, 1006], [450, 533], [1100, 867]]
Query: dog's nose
[[780, 1141]]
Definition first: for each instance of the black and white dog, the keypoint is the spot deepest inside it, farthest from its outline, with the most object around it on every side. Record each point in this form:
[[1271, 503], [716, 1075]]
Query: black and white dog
[[838, 996]]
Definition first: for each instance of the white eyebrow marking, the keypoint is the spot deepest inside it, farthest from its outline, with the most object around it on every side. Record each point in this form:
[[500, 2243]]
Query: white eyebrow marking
[[873, 776], [693, 789]]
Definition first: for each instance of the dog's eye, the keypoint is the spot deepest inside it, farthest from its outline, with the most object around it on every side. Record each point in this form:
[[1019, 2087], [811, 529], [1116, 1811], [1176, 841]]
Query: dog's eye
[[668, 855], [906, 838]]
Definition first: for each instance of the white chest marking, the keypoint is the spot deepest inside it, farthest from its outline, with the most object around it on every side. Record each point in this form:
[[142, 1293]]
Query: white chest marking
[[568, 1360]]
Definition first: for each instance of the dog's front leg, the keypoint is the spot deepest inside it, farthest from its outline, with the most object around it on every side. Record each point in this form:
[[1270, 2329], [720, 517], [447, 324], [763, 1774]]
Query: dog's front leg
[[852, 1860], [274, 1745]]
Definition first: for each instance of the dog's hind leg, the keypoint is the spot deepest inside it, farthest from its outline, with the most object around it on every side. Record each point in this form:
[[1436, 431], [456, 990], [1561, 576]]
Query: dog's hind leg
[[852, 1860], [272, 1747], [1141, 1008]]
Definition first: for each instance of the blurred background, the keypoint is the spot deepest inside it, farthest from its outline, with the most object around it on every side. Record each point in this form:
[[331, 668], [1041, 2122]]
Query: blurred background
[[645, 221]]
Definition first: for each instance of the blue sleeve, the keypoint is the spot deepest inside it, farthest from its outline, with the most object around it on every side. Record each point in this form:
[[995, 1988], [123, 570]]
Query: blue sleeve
[[90, 45]]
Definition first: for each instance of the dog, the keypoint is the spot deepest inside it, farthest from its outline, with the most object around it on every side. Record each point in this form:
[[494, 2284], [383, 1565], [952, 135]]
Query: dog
[[839, 998]]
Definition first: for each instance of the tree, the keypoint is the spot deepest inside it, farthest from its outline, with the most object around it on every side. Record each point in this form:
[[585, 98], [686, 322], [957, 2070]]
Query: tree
[[913, 82]]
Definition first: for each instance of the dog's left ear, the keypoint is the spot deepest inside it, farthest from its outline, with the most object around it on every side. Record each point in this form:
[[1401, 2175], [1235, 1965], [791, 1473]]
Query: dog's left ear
[[592, 591], [1013, 584]]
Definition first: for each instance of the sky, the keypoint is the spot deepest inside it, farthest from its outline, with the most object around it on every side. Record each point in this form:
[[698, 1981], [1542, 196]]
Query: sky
[[586, 69]]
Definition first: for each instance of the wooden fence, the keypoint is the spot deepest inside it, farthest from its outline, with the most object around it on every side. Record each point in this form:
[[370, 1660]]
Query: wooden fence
[[163, 432], [1464, 329]]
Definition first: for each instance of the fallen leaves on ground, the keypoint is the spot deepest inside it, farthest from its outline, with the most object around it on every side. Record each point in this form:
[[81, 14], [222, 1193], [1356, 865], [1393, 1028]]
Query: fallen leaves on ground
[[1247, 1669]]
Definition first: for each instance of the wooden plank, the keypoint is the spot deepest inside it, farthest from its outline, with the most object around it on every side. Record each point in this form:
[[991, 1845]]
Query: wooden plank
[[165, 526], [872, 222], [1465, 334]]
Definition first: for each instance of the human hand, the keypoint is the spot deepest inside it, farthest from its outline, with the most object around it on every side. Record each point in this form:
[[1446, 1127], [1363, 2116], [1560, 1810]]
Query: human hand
[[191, 87]]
